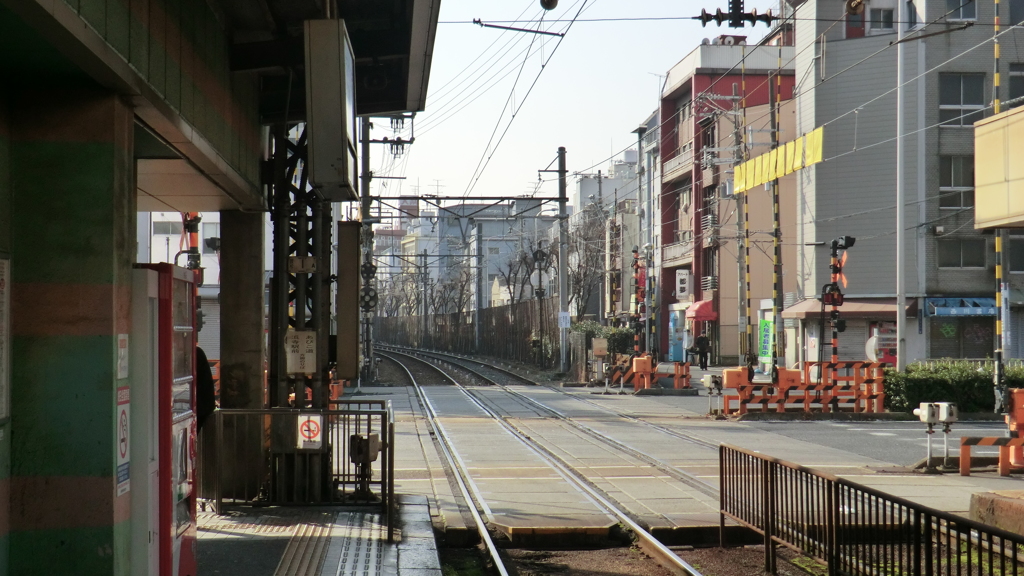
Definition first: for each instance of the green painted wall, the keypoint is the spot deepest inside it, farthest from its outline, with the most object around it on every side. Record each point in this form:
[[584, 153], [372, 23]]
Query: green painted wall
[[181, 49], [72, 245]]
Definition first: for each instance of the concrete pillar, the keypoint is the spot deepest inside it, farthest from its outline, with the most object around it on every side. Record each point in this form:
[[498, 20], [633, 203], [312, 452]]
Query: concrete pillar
[[73, 214], [242, 352], [5, 422]]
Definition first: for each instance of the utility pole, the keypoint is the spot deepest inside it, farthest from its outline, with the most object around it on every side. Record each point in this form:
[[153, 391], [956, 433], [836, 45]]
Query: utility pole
[[424, 306], [367, 267], [737, 159], [1002, 403], [773, 107], [479, 285], [901, 235], [648, 246], [563, 280]]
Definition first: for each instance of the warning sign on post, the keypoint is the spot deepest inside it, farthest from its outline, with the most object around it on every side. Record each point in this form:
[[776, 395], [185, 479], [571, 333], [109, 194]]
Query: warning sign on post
[[300, 346], [310, 432], [122, 448]]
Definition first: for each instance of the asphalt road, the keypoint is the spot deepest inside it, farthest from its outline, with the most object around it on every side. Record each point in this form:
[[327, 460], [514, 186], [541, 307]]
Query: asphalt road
[[902, 443]]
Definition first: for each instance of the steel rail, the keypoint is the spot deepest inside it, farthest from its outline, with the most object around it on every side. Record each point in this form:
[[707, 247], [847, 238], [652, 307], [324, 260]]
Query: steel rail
[[647, 542], [669, 431], [653, 461], [458, 468]]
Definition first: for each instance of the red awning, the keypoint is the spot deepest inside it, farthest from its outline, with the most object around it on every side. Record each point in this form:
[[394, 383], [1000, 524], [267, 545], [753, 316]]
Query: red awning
[[703, 311]]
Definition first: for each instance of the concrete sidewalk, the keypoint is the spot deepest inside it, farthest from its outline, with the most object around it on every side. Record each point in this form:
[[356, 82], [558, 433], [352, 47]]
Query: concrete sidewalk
[[317, 541]]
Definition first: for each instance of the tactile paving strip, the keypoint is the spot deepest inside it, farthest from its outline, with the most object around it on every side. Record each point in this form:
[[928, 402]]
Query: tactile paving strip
[[359, 547]]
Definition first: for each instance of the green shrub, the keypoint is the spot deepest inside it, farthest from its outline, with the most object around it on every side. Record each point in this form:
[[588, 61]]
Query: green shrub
[[969, 384], [620, 340], [589, 328]]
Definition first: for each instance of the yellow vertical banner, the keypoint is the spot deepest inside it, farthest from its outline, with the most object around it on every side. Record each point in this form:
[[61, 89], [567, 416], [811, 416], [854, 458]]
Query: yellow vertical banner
[[739, 183], [780, 162], [798, 153], [787, 162], [758, 171], [814, 145], [748, 174], [773, 160]]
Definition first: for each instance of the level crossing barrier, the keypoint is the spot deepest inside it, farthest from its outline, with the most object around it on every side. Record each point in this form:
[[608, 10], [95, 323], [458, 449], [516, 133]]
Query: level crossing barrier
[[1005, 444], [819, 387], [343, 454], [855, 530], [857, 386]]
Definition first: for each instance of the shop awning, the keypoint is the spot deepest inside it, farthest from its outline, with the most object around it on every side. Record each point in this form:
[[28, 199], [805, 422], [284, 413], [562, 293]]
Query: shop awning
[[960, 306], [702, 311], [863, 308]]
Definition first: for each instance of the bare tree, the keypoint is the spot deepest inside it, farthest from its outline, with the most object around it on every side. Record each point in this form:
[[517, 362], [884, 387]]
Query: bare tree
[[586, 258], [515, 274]]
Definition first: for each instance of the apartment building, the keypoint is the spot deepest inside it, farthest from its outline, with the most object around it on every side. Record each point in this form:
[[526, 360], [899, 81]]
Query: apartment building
[[715, 112], [847, 70]]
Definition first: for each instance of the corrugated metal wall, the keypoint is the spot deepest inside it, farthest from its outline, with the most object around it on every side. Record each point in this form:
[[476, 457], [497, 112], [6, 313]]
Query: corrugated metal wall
[[209, 336]]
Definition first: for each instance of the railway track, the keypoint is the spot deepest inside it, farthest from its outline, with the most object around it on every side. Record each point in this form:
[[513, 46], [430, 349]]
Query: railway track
[[478, 369], [654, 548]]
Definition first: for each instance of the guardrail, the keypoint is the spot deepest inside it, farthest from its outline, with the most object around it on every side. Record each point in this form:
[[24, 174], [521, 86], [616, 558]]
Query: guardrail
[[254, 456], [852, 529]]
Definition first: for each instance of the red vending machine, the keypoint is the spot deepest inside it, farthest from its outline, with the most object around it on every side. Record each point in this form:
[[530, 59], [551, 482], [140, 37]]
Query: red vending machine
[[177, 422]]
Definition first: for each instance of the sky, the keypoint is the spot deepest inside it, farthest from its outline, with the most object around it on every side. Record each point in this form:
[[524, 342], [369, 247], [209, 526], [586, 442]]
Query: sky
[[601, 81]]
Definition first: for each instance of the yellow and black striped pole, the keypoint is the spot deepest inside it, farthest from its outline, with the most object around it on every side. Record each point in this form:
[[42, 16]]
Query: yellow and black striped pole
[[751, 349], [776, 230], [997, 371]]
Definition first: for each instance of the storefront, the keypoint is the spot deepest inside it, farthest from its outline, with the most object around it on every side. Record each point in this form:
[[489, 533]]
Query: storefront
[[870, 330], [961, 327]]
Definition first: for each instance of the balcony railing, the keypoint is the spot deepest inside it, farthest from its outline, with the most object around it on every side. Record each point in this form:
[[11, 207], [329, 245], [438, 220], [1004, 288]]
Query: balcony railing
[[676, 166]]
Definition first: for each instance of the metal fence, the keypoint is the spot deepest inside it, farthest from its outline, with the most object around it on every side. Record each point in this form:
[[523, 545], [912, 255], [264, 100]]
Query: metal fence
[[253, 457], [854, 529]]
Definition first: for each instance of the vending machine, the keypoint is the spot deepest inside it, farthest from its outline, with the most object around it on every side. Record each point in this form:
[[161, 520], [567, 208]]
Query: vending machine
[[163, 420]]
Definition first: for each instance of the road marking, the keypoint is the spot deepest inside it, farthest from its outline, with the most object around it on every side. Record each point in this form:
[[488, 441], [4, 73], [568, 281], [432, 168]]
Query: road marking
[[881, 433]]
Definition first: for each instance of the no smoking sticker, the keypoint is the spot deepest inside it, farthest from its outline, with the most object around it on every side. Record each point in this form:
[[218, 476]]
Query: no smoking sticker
[[122, 448], [310, 435]]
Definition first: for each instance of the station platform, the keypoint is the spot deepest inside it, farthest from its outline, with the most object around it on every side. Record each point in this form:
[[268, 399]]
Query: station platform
[[317, 541]]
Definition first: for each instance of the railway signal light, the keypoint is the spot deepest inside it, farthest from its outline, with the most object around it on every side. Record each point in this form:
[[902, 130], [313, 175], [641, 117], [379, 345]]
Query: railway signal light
[[368, 298], [831, 295]]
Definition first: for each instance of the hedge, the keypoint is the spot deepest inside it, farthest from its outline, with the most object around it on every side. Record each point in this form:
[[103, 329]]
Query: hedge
[[969, 384]]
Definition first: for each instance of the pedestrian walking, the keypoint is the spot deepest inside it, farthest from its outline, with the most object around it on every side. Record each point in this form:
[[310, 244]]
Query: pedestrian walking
[[703, 344]]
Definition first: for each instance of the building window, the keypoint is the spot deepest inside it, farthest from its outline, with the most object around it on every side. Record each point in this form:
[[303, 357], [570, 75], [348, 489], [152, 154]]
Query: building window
[[1016, 12], [956, 181], [911, 12], [881, 19], [961, 253], [211, 230], [1016, 83], [961, 10], [961, 98], [171, 228], [1016, 252], [493, 251]]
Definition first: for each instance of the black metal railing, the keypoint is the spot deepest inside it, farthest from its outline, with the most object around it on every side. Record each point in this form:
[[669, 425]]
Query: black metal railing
[[255, 457], [854, 529]]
